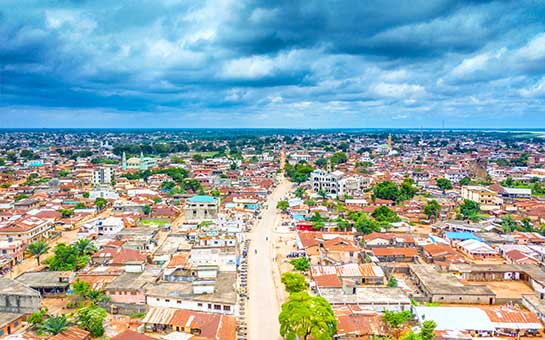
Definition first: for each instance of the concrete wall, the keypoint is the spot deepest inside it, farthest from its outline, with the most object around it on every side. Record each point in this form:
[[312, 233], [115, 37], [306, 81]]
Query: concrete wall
[[19, 303]]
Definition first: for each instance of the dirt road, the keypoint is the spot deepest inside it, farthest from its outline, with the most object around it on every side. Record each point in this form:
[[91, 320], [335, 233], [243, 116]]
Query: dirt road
[[263, 281]]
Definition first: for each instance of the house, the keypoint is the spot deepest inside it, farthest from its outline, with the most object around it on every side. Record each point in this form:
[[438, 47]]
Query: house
[[199, 324], [26, 229], [117, 257], [201, 208], [447, 288], [393, 254], [487, 198], [48, 283], [378, 299], [440, 253], [131, 335], [72, 333], [353, 321], [16, 297], [476, 249], [10, 323], [326, 181]]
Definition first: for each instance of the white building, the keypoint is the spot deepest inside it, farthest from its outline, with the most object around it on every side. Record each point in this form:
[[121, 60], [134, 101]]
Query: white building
[[326, 181], [103, 175]]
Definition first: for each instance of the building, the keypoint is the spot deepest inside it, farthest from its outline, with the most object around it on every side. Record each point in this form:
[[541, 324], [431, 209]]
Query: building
[[16, 297], [379, 299], [138, 163], [27, 230], [55, 283], [487, 198], [201, 208], [326, 181], [447, 288], [104, 175]]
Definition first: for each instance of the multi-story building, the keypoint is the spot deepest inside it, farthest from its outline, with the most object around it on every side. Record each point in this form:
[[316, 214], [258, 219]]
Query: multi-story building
[[326, 181], [487, 198], [200, 208], [103, 175]]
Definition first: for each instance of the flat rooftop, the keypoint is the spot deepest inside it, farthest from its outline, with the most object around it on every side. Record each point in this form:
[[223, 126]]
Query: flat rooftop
[[446, 283], [366, 295]]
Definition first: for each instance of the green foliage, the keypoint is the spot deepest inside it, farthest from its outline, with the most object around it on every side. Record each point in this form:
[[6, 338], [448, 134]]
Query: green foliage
[[2, 162], [146, 209], [508, 224], [294, 282], [300, 192], [198, 158], [19, 197], [37, 249], [301, 263], [37, 318], [140, 315], [444, 184], [100, 203], [396, 320], [432, 209], [85, 247], [298, 173], [86, 195], [91, 318], [305, 316], [465, 181], [386, 190], [392, 282], [282, 205], [427, 332], [63, 173], [338, 158], [470, 209], [385, 214], [67, 258], [363, 223], [81, 288], [215, 193], [320, 163], [66, 212], [191, 184], [55, 325], [322, 194], [167, 185]]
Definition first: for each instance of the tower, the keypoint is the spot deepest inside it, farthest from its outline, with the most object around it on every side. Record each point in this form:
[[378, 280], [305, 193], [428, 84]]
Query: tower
[[390, 142], [124, 161]]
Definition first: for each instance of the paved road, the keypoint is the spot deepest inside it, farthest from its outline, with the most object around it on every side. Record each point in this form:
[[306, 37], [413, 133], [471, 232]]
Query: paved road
[[264, 306]]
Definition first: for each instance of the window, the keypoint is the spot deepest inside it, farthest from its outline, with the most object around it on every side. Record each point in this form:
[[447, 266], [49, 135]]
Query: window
[[179, 302], [209, 306], [227, 308], [16, 323], [217, 307], [199, 304], [167, 300]]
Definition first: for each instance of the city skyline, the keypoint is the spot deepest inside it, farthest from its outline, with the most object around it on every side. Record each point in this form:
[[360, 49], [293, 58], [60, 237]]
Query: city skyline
[[260, 64]]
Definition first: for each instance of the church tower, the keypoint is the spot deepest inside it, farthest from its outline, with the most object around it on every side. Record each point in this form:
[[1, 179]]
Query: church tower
[[124, 161], [390, 142]]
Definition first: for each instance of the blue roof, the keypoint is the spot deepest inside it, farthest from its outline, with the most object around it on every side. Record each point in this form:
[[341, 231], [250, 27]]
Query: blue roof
[[461, 235], [202, 199]]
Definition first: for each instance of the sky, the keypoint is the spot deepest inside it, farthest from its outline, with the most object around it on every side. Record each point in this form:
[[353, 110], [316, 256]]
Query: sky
[[272, 63]]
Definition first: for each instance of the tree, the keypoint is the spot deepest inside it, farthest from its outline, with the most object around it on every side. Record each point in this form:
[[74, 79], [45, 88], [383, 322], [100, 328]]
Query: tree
[[406, 190], [86, 194], [321, 162], [427, 332], [304, 316], [470, 209], [322, 194], [294, 282], [66, 212], [55, 325], [81, 288], [91, 318], [300, 192], [338, 158], [392, 282], [527, 224], [386, 190], [37, 318], [385, 214], [215, 193], [465, 181], [283, 205], [167, 185], [2, 162], [432, 209], [365, 225], [100, 203], [508, 224], [85, 247], [146, 209], [301, 264], [198, 157], [444, 184], [66, 258], [37, 249], [396, 320]]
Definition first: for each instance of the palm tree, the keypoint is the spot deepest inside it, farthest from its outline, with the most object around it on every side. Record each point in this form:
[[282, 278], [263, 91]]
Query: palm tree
[[55, 325], [37, 249], [85, 247], [322, 193]]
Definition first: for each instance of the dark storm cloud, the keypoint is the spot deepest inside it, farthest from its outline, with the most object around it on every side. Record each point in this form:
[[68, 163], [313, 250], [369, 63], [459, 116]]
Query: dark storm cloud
[[304, 63]]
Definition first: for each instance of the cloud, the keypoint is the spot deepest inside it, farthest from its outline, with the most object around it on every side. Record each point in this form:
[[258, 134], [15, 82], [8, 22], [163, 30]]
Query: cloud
[[273, 63]]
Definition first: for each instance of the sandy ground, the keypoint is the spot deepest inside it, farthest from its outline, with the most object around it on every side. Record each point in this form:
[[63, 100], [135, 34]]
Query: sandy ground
[[263, 278]]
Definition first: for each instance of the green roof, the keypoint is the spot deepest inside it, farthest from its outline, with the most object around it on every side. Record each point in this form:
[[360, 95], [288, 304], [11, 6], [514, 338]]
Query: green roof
[[202, 199]]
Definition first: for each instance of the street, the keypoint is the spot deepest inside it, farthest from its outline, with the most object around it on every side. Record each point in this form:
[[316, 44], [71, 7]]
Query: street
[[263, 278]]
